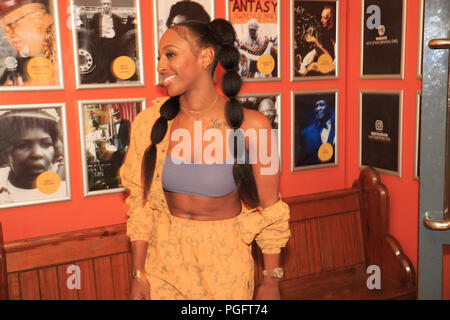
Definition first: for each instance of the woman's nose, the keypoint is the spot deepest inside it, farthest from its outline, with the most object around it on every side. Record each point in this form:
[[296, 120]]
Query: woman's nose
[[36, 151], [162, 65]]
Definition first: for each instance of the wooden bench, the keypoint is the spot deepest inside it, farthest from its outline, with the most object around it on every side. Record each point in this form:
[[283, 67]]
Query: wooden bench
[[335, 237]]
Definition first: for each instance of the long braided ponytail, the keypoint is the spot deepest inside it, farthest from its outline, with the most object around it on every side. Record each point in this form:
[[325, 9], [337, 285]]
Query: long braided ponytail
[[221, 35]]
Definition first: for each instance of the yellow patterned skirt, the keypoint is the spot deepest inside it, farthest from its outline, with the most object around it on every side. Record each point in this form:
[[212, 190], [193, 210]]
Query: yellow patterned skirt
[[191, 259]]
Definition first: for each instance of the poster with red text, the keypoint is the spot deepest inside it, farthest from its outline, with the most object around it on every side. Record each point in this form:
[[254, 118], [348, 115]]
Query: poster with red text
[[258, 34]]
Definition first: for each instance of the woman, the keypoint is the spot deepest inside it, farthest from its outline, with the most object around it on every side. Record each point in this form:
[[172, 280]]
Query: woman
[[30, 145], [189, 226]]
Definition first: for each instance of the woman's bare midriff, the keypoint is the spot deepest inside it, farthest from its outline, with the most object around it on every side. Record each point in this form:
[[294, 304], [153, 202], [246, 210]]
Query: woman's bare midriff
[[203, 208]]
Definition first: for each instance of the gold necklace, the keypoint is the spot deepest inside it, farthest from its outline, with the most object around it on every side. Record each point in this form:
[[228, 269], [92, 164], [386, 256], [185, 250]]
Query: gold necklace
[[202, 110]]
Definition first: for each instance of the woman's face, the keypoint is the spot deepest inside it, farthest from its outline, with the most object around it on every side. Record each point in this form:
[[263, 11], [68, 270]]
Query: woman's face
[[32, 154], [177, 65]]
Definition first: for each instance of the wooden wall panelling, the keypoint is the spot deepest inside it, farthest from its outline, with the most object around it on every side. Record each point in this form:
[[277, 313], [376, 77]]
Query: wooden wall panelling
[[301, 248], [88, 288], [48, 283], [29, 285], [14, 286], [289, 258], [313, 244], [119, 269]]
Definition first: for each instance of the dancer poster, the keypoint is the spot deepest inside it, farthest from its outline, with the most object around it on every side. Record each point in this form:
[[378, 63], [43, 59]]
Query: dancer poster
[[257, 25]]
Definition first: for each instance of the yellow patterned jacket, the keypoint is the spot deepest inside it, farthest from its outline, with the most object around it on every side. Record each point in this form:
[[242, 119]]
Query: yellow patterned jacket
[[268, 226]]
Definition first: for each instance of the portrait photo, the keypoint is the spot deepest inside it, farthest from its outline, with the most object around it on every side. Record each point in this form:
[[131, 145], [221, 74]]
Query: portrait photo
[[107, 42], [257, 26], [30, 48], [314, 137], [382, 39], [105, 137], [315, 30], [170, 12], [380, 130], [34, 161]]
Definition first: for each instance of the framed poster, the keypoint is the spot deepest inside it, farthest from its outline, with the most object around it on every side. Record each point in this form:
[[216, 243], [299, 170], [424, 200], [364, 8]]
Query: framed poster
[[258, 33], [382, 39], [107, 43], [34, 158], [170, 12], [270, 105], [30, 46], [380, 136], [417, 135], [315, 129], [105, 136], [315, 39]]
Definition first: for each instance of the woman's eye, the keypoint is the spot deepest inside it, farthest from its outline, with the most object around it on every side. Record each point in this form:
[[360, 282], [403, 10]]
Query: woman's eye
[[170, 55]]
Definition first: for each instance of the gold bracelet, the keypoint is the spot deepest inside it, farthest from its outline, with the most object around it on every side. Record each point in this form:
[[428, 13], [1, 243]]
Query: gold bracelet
[[140, 275]]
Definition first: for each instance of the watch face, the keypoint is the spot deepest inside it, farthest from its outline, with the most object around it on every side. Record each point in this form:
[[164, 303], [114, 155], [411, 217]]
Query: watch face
[[279, 273]]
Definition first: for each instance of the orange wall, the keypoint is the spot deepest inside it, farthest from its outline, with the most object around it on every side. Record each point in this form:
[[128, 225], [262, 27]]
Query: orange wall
[[80, 212]]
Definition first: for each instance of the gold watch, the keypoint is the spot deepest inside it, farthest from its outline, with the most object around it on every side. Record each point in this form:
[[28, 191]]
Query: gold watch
[[274, 273], [139, 274]]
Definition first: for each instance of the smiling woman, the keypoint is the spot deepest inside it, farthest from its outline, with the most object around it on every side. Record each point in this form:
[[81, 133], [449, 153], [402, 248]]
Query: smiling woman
[[193, 240]]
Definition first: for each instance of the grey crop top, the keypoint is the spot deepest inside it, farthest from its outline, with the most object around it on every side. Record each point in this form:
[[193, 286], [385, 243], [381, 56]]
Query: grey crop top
[[201, 180]]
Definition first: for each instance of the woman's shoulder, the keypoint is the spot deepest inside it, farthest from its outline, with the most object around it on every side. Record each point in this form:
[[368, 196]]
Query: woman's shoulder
[[150, 113], [253, 119]]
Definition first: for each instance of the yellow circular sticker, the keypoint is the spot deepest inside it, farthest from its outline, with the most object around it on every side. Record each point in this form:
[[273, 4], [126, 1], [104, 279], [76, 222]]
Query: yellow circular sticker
[[48, 182], [325, 63], [39, 69], [265, 64], [123, 68], [325, 152]]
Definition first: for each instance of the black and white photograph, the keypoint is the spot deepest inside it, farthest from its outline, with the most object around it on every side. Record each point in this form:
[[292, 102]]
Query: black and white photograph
[[170, 12], [30, 46], [105, 137], [314, 125], [107, 42], [380, 130], [314, 37], [270, 105], [34, 161], [257, 26], [382, 39]]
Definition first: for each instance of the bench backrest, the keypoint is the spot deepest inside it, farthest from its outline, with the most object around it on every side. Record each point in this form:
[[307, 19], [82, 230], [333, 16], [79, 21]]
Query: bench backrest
[[326, 234]]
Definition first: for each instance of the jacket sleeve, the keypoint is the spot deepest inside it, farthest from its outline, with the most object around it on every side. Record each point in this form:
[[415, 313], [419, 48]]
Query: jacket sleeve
[[140, 217], [268, 226]]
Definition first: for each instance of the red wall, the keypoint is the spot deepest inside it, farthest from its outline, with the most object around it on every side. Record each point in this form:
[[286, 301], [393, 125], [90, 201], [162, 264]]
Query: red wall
[[81, 213]]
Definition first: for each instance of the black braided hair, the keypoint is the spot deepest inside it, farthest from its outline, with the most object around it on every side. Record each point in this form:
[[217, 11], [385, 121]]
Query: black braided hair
[[219, 34]]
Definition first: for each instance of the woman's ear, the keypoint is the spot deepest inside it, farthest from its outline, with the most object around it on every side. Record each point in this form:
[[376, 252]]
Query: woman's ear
[[207, 57]]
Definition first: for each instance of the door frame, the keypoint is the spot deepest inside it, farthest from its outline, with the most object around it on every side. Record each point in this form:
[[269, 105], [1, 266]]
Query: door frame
[[433, 136]]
